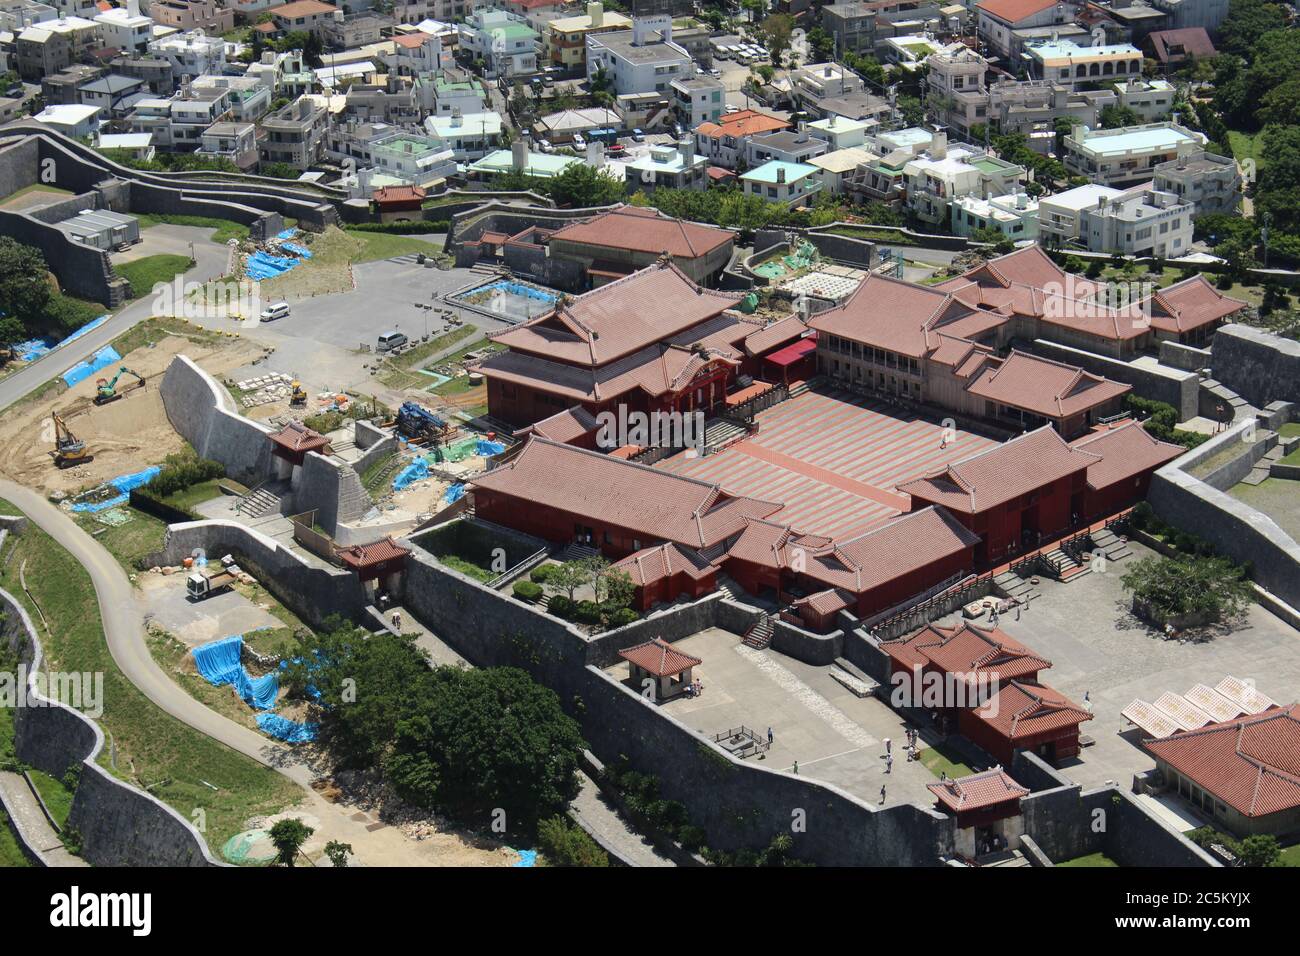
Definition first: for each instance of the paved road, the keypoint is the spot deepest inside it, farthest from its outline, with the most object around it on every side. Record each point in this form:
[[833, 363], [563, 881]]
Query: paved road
[[21, 806], [211, 263]]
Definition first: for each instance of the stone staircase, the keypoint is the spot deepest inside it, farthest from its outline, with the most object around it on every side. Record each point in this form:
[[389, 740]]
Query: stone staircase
[[759, 636], [1263, 466], [383, 476], [1065, 566], [729, 587], [576, 552], [801, 387], [262, 500], [1014, 586], [1004, 858], [1213, 393], [1111, 545], [856, 680], [720, 432]]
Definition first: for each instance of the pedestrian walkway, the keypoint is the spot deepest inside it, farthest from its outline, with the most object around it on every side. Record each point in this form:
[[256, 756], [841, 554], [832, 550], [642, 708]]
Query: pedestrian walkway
[[32, 824], [591, 806]]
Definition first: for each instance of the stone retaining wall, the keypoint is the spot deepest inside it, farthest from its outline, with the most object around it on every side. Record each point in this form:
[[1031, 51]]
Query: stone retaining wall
[[1177, 388], [1257, 365], [198, 407]]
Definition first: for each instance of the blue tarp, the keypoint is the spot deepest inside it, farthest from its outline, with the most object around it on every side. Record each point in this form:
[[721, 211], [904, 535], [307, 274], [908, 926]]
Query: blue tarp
[[519, 289], [124, 484], [83, 370], [296, 249], [219, 664], [287, 234], [413, 472], [282, 728], [488, 448], [526, 857], [262, 265], [453, 494], [33, 349]]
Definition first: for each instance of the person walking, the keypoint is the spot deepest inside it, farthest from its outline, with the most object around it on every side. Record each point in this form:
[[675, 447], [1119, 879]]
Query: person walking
[[882, 793], [889, 745], [796, 767], [397, 621], [769, 736], [889, 763]]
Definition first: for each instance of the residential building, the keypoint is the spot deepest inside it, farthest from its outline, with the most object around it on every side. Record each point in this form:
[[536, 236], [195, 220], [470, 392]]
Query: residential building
[[641, 60], [911, 50], [74, 121], [562, 126], [353, 141], [419, 53], [54, 45], [811, 84], [304, 16], [136, 145], [564, 39], [348, 31], [191, 54], [1069, 64], [187, 15], [723, 142], [840, 133], [943, 174], [698, 99], [125, 29], [295, 134], [786, 183], [411, 158], [113, 94], [470, 135], [787, 146], [834, 167], [249, 99], [863, 27], [673, 167], [861, 107], [154, 71], [1125, 156], [1060, 215], [520, 159], [1151, 100], [236, 142], [1141, 221], [452, 95], [64, 87], [1174, 49], [1014, 215], [995, 20], [505, 43], [1211, 183]]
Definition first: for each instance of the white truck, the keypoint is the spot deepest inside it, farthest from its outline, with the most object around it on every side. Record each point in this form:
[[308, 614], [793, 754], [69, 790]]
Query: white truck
[[205, 582]]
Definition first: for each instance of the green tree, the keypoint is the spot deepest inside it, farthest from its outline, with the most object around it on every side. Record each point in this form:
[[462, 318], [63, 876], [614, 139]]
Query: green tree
[[774, 33], [1262, 849], [312, 50], [821, 45], [581, 186], [288, 836], [564, 844], [1115, 116], [1214, 587], [568, 577], [1247, 21], [338, 852], [24, 290]]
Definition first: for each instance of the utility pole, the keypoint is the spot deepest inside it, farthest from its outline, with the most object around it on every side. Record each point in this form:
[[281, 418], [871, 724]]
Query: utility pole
[[1264, 219]]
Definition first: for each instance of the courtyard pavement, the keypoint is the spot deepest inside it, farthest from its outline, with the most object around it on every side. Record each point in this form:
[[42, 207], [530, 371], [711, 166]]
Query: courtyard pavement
[[1096, 646]]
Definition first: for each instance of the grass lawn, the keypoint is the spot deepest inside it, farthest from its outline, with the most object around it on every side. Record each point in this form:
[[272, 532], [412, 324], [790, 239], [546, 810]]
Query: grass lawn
[[223, 229], [129, 542], [1290, 856], [11, 855], [378, 245], [53, 191], [144, 274], [152, 331], [56, 797], [885, 236], [370, 477], [1246, 145], [400, 376], [1092, 859], [154, 750], [195, 494], [1292, 459], [937, 761], [469, 568]]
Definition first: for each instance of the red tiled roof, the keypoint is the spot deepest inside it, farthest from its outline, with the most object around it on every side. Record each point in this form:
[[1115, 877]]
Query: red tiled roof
[[565, 426], [412, 41], [1021, 710], [1252, 764], [302, 8], [664, 561], [986, 654], [885, 313], [1190, 304], [367, 555], [777, 333], [1126, 452], [398, 194], [658, 504], [296, 436], [1195, 42], [639, 229], [742, 123], [1044, 387], [999, 474], [659, 658], [1013, 11], [977, 790], [620, 318]]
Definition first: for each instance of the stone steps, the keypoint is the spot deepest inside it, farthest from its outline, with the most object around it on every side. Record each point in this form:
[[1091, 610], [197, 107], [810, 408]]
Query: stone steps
[[759, 636], [1013, 585], [858, 682]]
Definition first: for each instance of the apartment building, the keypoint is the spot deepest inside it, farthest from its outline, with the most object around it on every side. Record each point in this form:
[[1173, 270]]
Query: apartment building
[[723, 142], [997, 20], [641, 60], [1125, 156], [469, 135], [1210, 182], [1060, 216], [673, 167], [295, 134], [861, 27], [185, 15], [125, 29], [1151, 100], [505, 43], [841, 133], [564, 39], [1015, 215], [417, 53], [154, 71], [698, 99], [305, 16], [786, 146], [64, 87], [236, 142], [787, 183], [1141, 221], [411, 158], [350, 31], [943, 174], [54, 45], [815, 82], [191, 54], [249, 99], [1065, 62]]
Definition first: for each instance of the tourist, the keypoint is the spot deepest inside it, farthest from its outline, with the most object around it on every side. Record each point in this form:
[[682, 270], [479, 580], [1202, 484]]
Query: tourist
[[889, 745], [397, 621], [769, 736], [796, 767], [889, 763], [882, 793]]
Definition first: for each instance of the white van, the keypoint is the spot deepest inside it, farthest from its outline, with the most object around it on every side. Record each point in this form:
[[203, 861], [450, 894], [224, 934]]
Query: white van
[[276, 310], [391, 340]]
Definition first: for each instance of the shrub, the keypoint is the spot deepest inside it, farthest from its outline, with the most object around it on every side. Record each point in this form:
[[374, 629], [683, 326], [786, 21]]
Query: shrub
[[691, 837], [560, 606], [587, 612], [528, 591], [564, 844], [180, 471], [622, 617], [1215, 588], [542, 573]]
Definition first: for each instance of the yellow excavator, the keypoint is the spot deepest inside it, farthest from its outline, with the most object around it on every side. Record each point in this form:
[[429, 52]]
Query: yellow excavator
[[299, 396], [69, 450], [106, 390]]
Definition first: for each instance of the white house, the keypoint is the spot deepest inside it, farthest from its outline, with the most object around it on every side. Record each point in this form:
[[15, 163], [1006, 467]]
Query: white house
[[788, 183], [641, 60], [75, 121]]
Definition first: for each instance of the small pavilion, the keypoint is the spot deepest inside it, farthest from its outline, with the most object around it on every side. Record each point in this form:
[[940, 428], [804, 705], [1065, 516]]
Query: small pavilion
[[658, 661]]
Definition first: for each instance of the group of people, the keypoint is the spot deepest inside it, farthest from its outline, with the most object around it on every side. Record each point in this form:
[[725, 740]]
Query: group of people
[[695, 688]]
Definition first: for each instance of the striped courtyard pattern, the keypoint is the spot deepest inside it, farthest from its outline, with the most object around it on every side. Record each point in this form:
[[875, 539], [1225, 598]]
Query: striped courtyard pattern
[[833, 460]]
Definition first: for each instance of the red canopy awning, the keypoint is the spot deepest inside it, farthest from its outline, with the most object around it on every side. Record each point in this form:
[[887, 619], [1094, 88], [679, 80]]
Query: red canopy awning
[[792, 352]]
